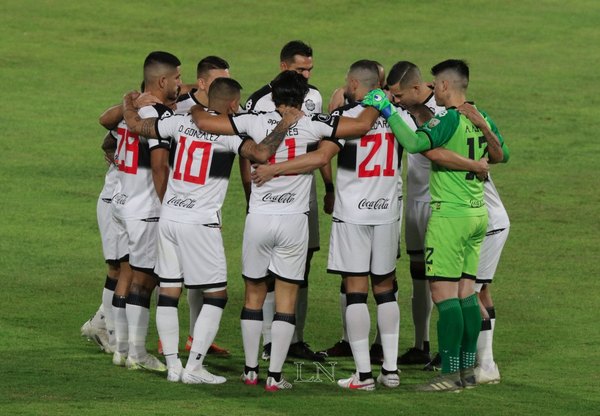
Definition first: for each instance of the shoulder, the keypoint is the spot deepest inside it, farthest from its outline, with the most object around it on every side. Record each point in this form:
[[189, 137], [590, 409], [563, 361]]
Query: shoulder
[[257, 96], [157, 110], [346, 108]]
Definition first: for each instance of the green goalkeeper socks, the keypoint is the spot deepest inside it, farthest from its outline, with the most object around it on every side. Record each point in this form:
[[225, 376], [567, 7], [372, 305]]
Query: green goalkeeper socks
[[450, 334], [472, 325]]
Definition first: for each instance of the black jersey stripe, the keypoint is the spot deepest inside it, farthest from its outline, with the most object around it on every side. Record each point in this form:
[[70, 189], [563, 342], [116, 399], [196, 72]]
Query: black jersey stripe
[[347, 156], [221, 164]]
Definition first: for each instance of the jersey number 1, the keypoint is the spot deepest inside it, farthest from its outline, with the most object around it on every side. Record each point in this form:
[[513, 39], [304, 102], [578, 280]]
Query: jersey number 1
[[471, 143]]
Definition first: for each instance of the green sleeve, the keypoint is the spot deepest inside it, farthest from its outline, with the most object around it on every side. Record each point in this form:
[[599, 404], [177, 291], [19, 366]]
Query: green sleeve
[[441, 128], [411, 141]]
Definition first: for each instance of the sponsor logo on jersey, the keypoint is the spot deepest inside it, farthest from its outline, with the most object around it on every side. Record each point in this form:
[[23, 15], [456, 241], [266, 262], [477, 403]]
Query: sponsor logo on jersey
[[476, 203], [120, 199], [433, 122], [182, 202], [285, 198], [310, 105], [381, 203], [442, 113]]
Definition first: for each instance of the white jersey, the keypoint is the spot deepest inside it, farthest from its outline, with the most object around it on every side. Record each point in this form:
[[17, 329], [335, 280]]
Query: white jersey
[[497, 215], [262, 100], [186, 101], [110, 183], [368, 171], [418, 166], [135, 195], [198, 181], [287, 194]]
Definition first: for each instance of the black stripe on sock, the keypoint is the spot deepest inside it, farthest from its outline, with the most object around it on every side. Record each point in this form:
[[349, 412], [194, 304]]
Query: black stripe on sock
[[384, 297], [119, 301], [167, 301], [365, 376], [139, 300], [486, 325], [252, 314], [491, 312], [386, 372], [218, 302], [110, 284], [352, 298], [276, 376], [248, 369], [290, 318]]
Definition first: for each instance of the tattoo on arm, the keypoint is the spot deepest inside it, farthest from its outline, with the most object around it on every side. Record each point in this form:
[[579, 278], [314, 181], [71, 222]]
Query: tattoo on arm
[[273, 140], [147, 128]]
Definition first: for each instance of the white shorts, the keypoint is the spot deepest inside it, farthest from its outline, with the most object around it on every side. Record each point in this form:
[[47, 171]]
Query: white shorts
[[139, 236], [417, 215], [108, 230], [363, 249], [489, 256], [192, 254], [275, 245]]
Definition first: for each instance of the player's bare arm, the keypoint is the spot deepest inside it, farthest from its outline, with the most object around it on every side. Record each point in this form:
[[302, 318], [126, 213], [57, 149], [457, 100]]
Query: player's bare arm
[[329, 197], [144, 126], [212, 123], [262, 151], [421, 113], [109, 146], [245, 176], [159, 161], [454, 161], [111, 117], [337, 99], [301, 164], [494, 147]]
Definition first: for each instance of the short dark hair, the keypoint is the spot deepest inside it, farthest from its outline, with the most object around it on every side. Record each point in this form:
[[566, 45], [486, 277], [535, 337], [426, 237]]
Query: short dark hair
[[403, 72], [366, 71], [289, 88], [210, 62], [295, 47], [458, 66], [224, 88], [159, 58]]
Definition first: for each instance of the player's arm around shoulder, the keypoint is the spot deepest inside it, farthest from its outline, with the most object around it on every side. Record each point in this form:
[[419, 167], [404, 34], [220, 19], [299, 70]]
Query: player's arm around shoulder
[[213, 123], [482, 122], [262, 151]]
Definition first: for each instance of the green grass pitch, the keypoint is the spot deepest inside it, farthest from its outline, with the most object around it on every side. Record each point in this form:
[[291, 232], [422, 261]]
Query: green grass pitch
[[534, 69]]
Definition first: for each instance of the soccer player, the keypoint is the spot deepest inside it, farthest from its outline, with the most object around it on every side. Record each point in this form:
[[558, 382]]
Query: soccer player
[[458, 221], [100, 328], [295, 56], [407, 88], [207, 70], [190, 246], [276, 231], [486, 371], [339, 99], [143, 172]]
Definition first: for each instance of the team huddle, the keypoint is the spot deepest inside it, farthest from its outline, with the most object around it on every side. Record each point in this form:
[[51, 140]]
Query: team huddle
[[171, 150]]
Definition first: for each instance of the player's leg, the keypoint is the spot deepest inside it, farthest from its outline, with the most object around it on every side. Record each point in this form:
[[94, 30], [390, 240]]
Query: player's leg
[[468, 299], [444, 265], [268, 309], [204, 267], [383, 279], [256, 255], [112, 277], [491, 250], [299, 348], [417, 215], [288, 263], [195, 299], [207, 326], [142, 258], [121, 292], [170, 271]]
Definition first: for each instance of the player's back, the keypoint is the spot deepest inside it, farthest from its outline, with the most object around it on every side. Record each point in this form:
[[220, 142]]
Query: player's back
[[368, 173], [286, 194], [262, 100], [198, 181]]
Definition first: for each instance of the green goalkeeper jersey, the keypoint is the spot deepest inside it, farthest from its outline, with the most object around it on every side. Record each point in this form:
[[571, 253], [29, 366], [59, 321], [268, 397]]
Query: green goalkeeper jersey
[[456, 193]]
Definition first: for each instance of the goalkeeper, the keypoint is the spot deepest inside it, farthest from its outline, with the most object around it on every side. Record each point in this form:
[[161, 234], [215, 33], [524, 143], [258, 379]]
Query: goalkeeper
[[459, 217]]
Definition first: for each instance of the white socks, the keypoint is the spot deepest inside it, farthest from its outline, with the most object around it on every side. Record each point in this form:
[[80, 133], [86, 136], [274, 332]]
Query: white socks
[[358, 325]]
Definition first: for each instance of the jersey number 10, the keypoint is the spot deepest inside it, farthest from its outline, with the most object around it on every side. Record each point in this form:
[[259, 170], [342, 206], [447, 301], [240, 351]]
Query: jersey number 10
[[187, 175]]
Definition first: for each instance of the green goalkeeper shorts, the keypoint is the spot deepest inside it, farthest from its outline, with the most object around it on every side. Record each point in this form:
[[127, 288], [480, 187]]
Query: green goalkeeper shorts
[[452, 246]]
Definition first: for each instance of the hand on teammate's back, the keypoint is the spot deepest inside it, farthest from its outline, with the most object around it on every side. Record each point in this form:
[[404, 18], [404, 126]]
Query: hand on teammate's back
[[470, 112], [291, 115], [146, 99]]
